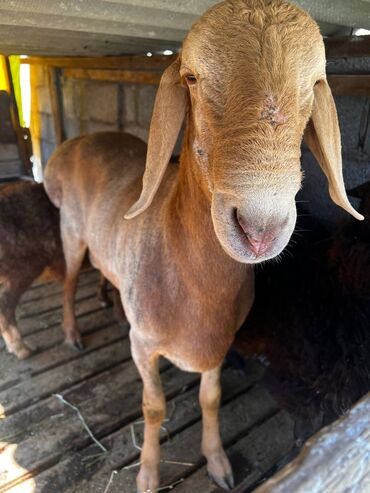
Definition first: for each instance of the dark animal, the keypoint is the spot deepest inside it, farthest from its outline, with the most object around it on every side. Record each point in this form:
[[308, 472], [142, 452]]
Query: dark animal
[[29, 244], [316, 349]]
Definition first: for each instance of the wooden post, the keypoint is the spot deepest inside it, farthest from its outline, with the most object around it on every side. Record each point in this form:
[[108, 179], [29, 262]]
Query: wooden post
[[347, 46], [56, 98]]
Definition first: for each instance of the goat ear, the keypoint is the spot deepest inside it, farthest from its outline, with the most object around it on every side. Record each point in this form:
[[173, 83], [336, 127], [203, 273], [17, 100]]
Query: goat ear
[[322, 136], [168, 115]]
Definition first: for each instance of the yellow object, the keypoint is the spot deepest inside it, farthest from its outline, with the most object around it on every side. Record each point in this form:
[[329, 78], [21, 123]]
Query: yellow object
[[14, 62], [4, 86]]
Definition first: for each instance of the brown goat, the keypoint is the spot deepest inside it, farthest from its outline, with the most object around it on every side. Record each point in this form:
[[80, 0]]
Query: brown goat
[[29, 243], [250, 75]]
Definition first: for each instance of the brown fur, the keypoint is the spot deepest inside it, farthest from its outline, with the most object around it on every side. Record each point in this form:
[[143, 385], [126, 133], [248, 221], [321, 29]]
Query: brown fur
[[182, 265], [29, 243]]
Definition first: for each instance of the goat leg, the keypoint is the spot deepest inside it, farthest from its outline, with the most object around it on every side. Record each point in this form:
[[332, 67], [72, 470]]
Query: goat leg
[[74, 252], [218, 465], [8, 327], [154, 408]]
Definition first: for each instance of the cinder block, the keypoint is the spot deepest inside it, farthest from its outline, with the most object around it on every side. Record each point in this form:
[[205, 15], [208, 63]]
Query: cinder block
[[44, 102], [72, 90], [145, 104], [137, 130], [72, 127], [47, 127], [91, 126], [352, 112], [130, 93], [47, 148], [100, 102]]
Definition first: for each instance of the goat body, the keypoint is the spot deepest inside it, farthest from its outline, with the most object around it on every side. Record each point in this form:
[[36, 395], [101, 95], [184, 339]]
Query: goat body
[[246, 83], [177, 288], [29, 243]]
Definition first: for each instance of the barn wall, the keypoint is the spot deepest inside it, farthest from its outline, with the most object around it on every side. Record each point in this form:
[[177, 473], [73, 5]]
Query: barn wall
[[92, 106]]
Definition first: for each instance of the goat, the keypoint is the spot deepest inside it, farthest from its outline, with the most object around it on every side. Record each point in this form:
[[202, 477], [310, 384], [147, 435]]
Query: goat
[[250, 80], [29, 243]]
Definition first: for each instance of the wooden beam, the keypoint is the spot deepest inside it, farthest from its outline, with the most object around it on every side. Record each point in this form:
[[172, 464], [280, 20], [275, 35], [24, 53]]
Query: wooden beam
[[335, 460], [155, 62], [336, 47], [349, 85], [56, 98], [128, 76], [347, 46]]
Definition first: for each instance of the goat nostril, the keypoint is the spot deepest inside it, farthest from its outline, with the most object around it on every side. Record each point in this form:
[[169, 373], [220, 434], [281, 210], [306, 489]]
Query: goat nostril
[[242, 222]]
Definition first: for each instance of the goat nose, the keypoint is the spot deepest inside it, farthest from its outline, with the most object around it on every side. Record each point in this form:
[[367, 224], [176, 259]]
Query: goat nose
[[259, 238]]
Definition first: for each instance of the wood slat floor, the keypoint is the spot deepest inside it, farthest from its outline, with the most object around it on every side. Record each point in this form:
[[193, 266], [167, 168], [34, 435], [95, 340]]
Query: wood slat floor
[[44, 447]]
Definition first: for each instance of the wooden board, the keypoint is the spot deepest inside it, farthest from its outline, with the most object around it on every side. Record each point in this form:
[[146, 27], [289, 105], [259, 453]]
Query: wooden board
[[155, 62], [350, 85], [335, 460], [132, 77], [347, 46]]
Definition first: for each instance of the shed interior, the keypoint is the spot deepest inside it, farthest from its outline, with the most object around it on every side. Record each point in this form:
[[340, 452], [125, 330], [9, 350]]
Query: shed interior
[[300, 361]]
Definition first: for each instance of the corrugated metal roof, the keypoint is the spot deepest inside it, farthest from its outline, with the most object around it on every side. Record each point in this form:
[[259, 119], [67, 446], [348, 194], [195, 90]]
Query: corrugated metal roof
[[112, 27]]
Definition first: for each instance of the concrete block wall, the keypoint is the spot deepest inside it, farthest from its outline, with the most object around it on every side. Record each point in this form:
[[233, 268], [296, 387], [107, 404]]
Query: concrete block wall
[[93, 106]]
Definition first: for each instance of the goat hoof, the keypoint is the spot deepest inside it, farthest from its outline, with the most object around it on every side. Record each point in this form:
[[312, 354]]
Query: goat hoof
[[227, 482], [75, 345], [148, 478], [21, 350], [219, 470]]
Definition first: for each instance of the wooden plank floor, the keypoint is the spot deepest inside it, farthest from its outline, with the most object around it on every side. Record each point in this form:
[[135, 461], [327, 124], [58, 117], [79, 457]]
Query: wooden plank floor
[[44, 447]]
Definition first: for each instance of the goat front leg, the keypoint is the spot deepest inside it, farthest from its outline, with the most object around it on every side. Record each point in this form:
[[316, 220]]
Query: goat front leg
[[218, 465], [9, 298], [74, 252], [154, 409]]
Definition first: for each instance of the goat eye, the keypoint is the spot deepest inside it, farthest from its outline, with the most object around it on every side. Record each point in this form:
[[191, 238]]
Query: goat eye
[[191, 80]]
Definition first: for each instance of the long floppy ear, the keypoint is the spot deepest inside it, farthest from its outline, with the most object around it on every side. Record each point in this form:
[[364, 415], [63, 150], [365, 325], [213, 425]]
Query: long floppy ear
[[168, 115], [322, 136]]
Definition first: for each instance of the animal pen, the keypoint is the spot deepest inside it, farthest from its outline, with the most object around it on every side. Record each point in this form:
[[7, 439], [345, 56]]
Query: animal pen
[[295, 405]]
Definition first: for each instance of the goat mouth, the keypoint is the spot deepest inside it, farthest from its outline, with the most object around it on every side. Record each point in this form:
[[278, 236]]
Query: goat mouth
[[244, 248], [241, 237], [246, 238]]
